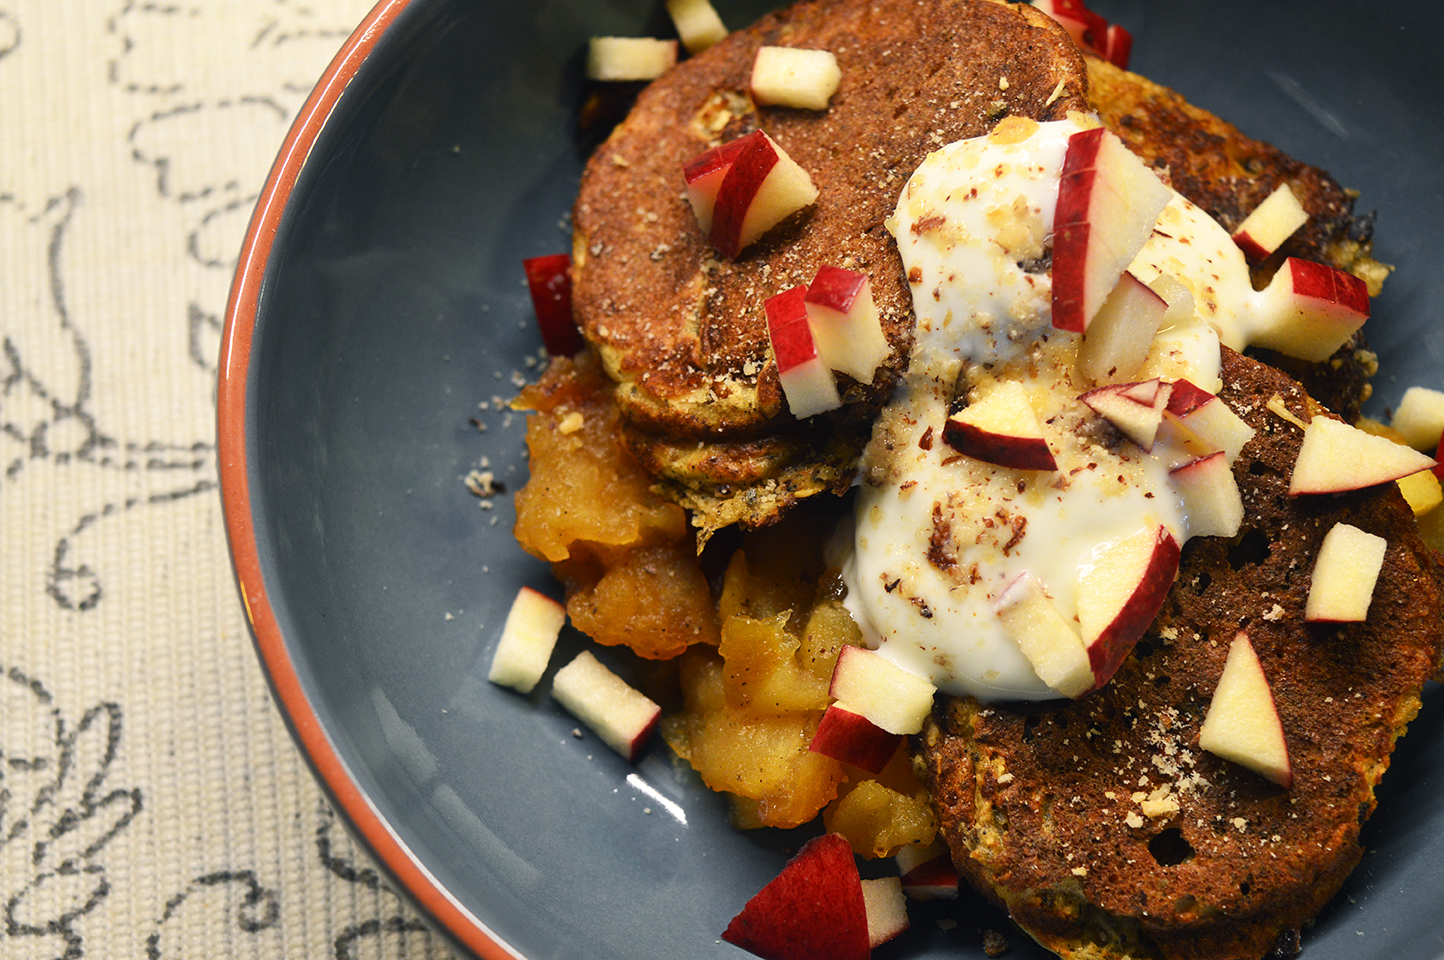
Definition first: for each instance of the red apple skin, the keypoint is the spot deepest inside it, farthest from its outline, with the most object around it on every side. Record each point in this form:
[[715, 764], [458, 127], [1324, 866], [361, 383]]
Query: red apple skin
[[754, 160], [1071, 229], [1107, 653], [854, 739], [935, 879], [813, 910], [1119, 46], [1325, 283], [1439, 458], [1185, 398], [549, 280], [787, 326], [836, 288], [1019, 453], [703, 175]]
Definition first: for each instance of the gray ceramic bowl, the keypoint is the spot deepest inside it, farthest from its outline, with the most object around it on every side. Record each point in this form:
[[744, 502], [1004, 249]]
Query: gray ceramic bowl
[[379, 309]]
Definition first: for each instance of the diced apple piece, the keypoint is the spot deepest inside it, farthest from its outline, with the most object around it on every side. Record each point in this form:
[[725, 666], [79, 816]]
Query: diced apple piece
[[813, 910], [1242, 724], [927, 873], [845, 322], [612, 709], [763, 187], [848, 736], [1270, 223], [881, 691], [1335, 457], [1211, 499], [527, 639], [806, 380], [1119, 46], [629, 58], [1420, 418], [1088, 30], [703, 175], [1001, 428], [1118, 339], [1136, 409], [1047, 638], [1422, 491], [549, 281], [1121, 593], [887, 909], [697, 23], [1309, 310], [794, 77], [1345, 572], [1108, 202], [1201, 423]]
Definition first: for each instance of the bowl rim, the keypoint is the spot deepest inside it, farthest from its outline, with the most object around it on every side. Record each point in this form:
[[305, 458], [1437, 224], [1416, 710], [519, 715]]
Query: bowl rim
[[232, 397]]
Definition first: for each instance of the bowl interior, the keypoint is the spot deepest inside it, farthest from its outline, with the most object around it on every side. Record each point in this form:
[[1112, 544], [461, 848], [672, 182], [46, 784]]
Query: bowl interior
[[393, 326]]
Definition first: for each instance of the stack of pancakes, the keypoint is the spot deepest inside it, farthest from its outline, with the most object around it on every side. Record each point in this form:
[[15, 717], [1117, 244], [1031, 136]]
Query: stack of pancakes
[[1099, 824]]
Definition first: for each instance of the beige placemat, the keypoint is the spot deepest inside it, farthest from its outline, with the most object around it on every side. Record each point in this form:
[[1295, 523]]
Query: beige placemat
[[152, 804]]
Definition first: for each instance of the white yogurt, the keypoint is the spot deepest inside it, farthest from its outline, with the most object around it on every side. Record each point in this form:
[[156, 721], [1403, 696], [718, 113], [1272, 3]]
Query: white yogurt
[[936, 535]]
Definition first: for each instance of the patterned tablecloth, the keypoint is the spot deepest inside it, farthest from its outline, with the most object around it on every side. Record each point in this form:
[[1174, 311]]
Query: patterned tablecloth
[[152, 804]]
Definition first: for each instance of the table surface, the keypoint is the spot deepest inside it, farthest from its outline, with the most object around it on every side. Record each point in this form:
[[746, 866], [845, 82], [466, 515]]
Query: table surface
[[152, 803]]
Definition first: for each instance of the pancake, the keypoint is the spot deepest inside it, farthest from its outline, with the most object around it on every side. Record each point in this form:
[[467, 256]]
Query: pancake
[[683, 332], [1212, 163], [1103, 828]]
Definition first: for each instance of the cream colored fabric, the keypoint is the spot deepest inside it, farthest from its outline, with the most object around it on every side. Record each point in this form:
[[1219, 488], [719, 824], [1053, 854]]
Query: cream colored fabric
[[151, 802]]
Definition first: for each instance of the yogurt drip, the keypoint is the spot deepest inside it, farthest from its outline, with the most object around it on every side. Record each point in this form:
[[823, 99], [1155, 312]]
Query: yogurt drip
[[936, 536]]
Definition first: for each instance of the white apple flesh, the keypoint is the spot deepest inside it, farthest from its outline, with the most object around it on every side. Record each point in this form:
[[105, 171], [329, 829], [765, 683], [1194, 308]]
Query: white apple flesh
[[1118, 340], [848, 736], [1001, 428], [1211, 498], [763, 187], [807, 381], [887, 909], [1049, 640], [1242, 724], [527, 639], [1336, 457], [622, 716], [1345, 572], [1136, 409], [1310, 310], [619, 59], [1200, 423], [794, 77], [1108, 202], [697, 23], [845, 322], [1270, 223], [1420, 418], [884, 693], [1121, 593]]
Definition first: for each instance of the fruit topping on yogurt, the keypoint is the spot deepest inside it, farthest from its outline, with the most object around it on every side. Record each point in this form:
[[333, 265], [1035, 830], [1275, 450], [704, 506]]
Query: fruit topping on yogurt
[[1057, 436]]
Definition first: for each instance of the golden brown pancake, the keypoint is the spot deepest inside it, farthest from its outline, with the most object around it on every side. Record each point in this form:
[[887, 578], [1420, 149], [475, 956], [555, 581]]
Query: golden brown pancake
[[1104, 829], [683, 332]]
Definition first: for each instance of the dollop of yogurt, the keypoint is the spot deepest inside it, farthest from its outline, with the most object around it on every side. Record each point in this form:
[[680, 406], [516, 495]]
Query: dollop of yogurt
[[936, 536]]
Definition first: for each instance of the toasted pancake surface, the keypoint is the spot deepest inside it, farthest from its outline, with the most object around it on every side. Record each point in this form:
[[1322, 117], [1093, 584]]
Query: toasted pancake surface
[[682, 331], [1228, 173], [1100, 824]]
